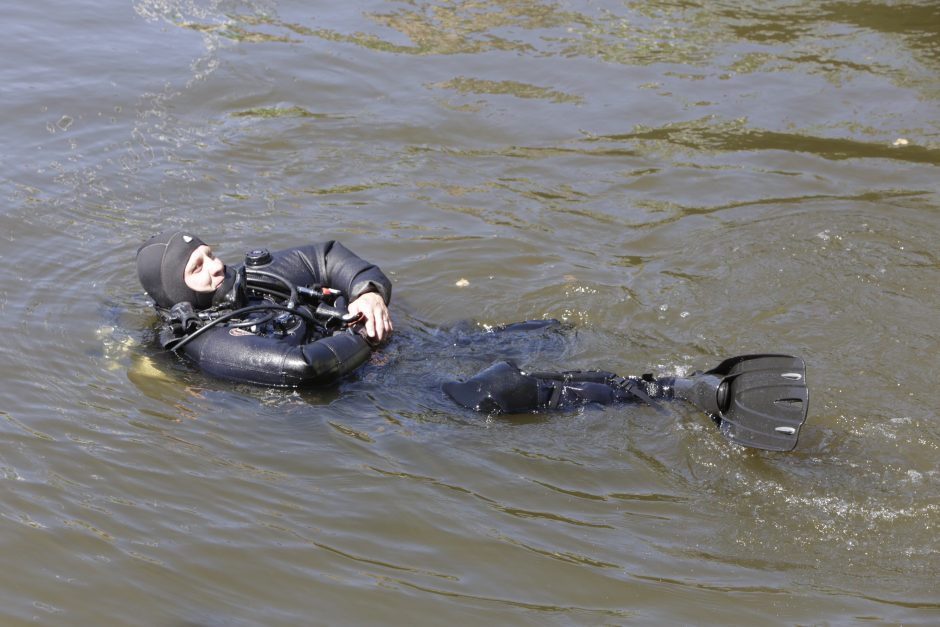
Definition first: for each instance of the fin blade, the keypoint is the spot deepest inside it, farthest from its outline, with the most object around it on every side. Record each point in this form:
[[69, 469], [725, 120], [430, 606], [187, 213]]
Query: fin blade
[[769, 402]]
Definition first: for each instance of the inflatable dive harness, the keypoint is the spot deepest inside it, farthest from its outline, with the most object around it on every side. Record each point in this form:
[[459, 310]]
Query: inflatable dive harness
[[261, 303]]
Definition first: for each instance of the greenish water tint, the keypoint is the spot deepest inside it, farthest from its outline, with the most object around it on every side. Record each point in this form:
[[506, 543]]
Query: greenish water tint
[[677, 181]]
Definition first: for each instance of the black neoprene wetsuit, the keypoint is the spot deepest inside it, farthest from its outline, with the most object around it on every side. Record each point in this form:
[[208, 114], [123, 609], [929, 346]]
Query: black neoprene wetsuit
[[283, 348]]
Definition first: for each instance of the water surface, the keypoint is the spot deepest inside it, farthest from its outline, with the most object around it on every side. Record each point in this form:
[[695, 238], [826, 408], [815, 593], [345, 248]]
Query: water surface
[[677, 181]]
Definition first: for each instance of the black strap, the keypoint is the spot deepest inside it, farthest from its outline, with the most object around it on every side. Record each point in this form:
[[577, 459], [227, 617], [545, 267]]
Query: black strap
[[638, 390], [554, 400], [562, 388]]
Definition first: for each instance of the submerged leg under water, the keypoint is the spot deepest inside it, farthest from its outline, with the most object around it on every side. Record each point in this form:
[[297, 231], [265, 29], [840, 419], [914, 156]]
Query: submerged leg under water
[[758, 401]]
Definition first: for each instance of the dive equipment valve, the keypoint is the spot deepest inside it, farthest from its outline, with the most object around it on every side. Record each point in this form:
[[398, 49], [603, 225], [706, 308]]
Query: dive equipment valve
[[184, 315], [257, 257], [318, 292]]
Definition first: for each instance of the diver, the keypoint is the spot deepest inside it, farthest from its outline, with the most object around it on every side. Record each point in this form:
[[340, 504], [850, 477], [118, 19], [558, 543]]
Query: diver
[[303, 316], [312, 314]]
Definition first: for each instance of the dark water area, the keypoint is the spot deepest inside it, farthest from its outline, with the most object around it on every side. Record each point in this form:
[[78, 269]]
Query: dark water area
[[677, 182]]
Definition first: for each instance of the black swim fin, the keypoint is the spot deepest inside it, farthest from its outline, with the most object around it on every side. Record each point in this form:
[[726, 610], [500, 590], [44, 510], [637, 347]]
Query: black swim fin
[[758, 400]]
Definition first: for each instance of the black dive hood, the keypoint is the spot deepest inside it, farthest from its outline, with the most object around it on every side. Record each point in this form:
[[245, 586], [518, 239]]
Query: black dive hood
[[161, 264]]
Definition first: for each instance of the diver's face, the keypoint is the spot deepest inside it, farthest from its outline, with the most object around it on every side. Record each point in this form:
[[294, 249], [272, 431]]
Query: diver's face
[[204, 273]]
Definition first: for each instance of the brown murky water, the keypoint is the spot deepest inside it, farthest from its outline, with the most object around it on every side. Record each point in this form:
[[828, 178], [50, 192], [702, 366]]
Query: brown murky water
[[678, 181]]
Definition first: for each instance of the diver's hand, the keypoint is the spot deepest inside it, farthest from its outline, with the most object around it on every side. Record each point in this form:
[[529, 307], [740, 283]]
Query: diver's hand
[[378, 322]]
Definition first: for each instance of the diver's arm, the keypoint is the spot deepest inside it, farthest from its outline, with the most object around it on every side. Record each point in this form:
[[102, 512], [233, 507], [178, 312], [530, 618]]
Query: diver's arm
[[367, 288], [332, 265], [346, 271]]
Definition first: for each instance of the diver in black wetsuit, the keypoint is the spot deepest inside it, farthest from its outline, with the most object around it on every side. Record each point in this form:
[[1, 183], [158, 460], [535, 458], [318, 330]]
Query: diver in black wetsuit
[[283, 319], [302, 316]]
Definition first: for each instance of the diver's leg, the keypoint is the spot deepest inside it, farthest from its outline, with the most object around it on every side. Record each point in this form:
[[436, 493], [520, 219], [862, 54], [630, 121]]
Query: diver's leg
[[503, 388]]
